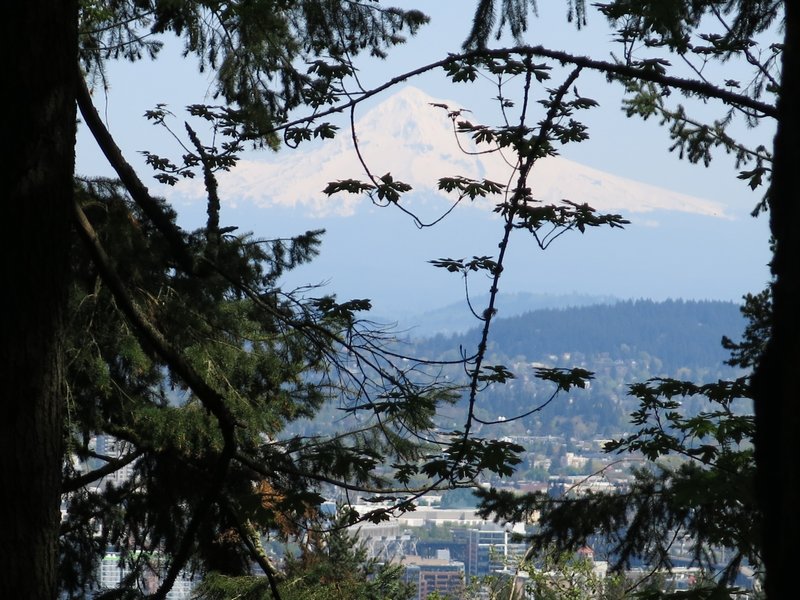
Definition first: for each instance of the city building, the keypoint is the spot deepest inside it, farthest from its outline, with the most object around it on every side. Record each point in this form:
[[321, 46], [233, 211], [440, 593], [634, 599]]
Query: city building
[[113, 572], [491, 548], [440, 574]]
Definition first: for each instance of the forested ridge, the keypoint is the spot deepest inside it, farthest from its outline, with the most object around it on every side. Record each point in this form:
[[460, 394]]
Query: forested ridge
[[621, 344], [679, 333]]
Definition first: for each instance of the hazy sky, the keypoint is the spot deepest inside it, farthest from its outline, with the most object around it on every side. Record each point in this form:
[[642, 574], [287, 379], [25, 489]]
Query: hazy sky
[[691, 260]]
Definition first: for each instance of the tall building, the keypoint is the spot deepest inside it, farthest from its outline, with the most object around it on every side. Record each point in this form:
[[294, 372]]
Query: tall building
[[110, 446], [440, 574], [113, 572], [490, 549]]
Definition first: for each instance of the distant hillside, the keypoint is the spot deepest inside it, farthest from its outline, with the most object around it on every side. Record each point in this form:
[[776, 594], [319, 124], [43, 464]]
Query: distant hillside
[[457, 319], [621, 343], [678, 333]]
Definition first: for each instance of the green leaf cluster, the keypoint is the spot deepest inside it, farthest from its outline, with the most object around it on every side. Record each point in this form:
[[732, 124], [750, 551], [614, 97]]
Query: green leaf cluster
[[698, 484]]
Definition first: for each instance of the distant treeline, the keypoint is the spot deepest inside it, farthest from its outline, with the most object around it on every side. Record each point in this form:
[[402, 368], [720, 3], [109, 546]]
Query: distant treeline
[[680, 333], [621, 343]]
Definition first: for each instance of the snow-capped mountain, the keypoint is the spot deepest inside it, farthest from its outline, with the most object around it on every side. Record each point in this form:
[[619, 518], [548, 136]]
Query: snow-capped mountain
[[410, 137], [677, 246]]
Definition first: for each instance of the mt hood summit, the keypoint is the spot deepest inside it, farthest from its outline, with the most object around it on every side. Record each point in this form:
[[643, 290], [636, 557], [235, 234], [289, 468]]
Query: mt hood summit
[[409, 137]]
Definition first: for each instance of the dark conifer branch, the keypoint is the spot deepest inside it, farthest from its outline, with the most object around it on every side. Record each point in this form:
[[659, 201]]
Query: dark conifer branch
[[130, 179], [299, 474], [653, 75], [753, 60], [249, 537], [211, 399], [200, 512], [212, 193], [113, 465], [153, 338], [614, 70]]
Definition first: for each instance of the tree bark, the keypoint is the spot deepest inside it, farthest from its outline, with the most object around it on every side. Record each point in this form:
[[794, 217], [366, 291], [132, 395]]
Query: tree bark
[[775, 382], [39, 128]]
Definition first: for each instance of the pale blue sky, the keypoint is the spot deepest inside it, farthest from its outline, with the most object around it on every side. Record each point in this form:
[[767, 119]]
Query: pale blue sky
[[690, 260]]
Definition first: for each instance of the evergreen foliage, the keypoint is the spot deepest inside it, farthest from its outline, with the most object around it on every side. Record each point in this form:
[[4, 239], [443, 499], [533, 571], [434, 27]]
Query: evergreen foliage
[[185, 357], [194, 374], [699, 488], [765, 531], [254, 48], [331, 563], [184, 351], [335, 564]]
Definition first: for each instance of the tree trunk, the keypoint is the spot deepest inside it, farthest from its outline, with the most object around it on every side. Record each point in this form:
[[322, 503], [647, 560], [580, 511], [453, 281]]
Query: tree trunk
[[39, 139], [776, 385]]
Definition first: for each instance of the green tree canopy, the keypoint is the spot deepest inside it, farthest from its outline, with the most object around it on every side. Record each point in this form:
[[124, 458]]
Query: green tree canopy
[[184, 347]]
